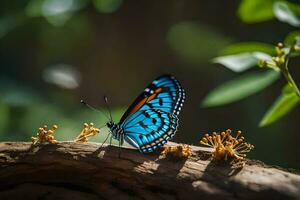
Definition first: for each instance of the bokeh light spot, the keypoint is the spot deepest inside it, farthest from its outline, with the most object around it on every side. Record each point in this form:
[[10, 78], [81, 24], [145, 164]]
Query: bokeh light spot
[[107, 6], [54, 7], [62, 75]]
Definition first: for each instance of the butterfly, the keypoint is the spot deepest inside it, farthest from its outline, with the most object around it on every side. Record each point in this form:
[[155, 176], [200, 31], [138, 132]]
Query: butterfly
[[151, 120]]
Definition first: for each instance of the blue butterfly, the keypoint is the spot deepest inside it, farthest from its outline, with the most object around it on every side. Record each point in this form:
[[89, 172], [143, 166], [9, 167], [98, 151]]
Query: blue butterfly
[[151, 120]]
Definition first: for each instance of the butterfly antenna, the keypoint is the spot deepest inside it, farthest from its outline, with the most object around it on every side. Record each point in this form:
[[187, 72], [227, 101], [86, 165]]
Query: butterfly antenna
[[105, 140], [91, 107], [107, 106], [102, 126]]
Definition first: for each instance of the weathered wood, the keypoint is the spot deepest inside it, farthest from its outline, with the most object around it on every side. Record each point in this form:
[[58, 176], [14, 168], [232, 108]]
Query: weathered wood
[[86, 171]]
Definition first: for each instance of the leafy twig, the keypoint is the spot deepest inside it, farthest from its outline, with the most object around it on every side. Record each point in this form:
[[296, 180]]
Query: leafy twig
[[281, 61]]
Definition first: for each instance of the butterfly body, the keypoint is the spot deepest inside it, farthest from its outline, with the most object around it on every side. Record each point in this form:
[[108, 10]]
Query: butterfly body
[[151, 120], [117, 132]]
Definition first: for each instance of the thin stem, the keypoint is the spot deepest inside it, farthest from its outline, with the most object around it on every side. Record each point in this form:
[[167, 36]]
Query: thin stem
[[290, 80], [285, 70]]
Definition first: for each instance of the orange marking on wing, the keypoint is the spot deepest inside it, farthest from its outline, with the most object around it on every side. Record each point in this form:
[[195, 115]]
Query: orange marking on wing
[[154, 94], [138, 105], [145, 100], [158, 90]]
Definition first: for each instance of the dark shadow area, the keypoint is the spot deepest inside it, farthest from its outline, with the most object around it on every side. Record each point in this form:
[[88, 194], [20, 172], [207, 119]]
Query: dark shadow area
[[222, 169]]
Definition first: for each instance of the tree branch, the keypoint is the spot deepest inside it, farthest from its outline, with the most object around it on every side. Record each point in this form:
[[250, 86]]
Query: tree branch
[[84, 171]]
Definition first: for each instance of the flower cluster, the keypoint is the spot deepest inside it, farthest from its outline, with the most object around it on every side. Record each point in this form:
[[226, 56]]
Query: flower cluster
[[225, 146], [45, 135], [88, 131], [279, 59], [180, 151]]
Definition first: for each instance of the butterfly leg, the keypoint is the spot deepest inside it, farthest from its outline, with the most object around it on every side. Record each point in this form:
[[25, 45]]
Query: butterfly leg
[[119, 149], [104, 141], [121, 141], [110, 140]]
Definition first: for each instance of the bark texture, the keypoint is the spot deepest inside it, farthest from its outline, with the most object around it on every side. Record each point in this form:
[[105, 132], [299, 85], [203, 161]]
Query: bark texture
[[74, 171]]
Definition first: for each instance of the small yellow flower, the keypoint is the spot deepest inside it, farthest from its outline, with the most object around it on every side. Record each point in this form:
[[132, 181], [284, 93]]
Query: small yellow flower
[[88, 131], [45, 135], [180, 151], [226, 146]]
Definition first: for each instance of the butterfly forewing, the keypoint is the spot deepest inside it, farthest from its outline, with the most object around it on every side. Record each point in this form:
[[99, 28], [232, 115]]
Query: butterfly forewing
[[164, 93]]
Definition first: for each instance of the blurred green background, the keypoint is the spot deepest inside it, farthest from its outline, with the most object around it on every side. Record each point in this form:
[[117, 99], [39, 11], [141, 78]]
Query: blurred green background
[[55, 52]]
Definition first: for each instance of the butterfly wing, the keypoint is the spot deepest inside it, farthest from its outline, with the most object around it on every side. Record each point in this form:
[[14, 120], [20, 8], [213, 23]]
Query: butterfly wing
[[152, 119], [164, 93], [149, 129]]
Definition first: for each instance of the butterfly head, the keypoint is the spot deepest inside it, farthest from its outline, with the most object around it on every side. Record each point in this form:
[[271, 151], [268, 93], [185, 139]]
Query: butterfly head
[[113, 127], [110, 124]]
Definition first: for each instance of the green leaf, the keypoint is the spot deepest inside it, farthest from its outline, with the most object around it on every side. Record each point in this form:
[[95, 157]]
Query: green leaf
[[250, 47], [287, 89], [240, 88], [284, 13], [238, 62], [282, 106], [253, 11], [294, 7], [241, 62], [292, 37]]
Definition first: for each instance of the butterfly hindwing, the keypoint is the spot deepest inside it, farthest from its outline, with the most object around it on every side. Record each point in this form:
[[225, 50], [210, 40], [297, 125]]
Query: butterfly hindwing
[[150, 129], [172, 91]]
